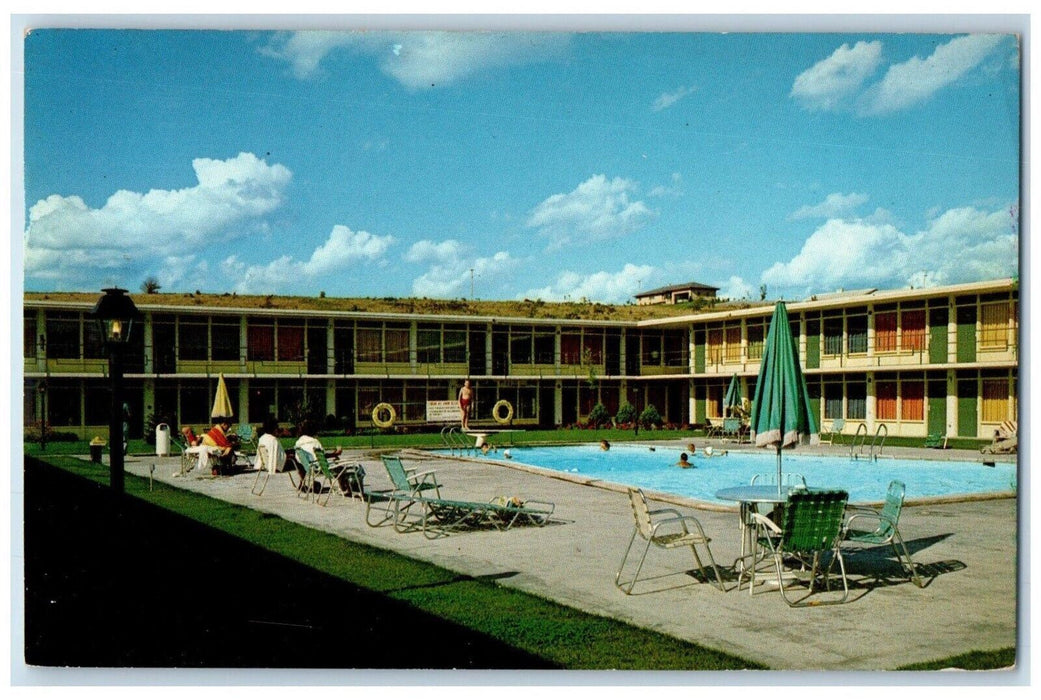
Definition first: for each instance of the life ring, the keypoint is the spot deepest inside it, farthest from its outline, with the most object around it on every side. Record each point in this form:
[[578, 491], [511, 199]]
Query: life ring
[[497, 414], [379, 410]]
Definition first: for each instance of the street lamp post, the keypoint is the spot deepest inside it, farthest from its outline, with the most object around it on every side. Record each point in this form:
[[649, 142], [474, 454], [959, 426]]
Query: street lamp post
[[115, 314]]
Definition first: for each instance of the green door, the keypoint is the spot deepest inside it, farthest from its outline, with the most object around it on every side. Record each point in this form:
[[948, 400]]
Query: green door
[[938, 336], [937, 420], [967, 408], [699, 398], [813, 344], [966, 334], [699, 352]]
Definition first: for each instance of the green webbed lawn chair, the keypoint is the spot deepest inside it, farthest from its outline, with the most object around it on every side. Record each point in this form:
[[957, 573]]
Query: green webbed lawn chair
[[344, 479], [415, 503], [441, 516], [881, 528], [308, 470], [813, 524], [406, 486]]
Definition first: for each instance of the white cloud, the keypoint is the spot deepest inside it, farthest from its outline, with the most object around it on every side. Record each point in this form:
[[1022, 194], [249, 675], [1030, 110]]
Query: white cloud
[[831, 83], [835, 204], [330, 260], [70, 242], [737, 288], [961, 245], [668, 99], [450, 264], [840, 82], [598, 209], [916, 80], [606, 287], [419, 60], [675, 189]]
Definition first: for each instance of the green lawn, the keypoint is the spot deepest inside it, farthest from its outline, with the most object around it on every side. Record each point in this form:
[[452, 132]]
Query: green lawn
[[564, 637]]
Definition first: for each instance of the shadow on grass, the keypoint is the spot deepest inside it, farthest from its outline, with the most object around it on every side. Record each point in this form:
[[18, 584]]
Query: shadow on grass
[[117, 582]]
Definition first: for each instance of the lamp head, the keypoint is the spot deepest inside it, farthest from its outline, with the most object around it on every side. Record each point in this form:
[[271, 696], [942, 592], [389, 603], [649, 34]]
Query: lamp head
[[115, 314]]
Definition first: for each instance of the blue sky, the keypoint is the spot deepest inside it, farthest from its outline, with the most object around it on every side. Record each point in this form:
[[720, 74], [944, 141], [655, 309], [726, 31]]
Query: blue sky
[[519, 165]]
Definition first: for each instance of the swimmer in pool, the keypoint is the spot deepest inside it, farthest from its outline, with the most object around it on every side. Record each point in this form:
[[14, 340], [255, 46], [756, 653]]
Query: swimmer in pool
[[684, 462]]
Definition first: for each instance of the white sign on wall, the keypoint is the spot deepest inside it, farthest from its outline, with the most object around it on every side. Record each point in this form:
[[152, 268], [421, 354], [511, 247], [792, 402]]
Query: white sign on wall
[[442, 411]]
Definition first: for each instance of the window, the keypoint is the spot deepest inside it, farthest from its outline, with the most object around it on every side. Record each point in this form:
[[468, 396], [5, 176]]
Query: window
[[94, 341], [677, 349], [912, 334], [370, 345], [193, 338], [756, 337], [856, 331], [544, 342], [912, 400], [428, 345], [570, 348], [885, 332], [396, 343], [714, 346], [261, 401], [856, 400], [885, 400], [651, 352], [63, 405], [714, 405], [994, 408], [994, 325], [833, 336], [520, 347], [732, 344], [63, 337], [29, 334], [833, 401], [290, 341], [224, 339], [195, 406], [260, 340], [592, 347], [455, 345]]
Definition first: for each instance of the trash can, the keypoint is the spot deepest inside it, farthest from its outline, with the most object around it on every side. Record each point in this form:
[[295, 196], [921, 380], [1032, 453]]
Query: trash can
[[96, 447], [162, 440]]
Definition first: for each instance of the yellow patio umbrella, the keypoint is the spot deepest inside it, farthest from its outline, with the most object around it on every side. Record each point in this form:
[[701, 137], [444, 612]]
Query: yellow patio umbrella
[[222, 402]]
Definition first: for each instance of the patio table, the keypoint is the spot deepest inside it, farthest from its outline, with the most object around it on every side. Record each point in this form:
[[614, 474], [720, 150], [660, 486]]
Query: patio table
[[750, 495]]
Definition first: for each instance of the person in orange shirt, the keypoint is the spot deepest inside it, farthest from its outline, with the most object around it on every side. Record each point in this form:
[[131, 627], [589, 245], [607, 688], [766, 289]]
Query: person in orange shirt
[[218, 437]]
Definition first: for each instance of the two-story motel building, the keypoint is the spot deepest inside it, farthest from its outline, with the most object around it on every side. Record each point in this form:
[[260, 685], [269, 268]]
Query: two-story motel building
[[941, 360]]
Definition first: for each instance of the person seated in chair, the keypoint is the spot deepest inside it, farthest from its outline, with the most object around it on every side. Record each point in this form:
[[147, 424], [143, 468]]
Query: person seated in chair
[[220, 437], [307, 442], [276, 454]]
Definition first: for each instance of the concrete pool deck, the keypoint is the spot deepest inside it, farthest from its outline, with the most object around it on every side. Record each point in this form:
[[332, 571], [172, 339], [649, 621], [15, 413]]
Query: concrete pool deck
[[966, 550]]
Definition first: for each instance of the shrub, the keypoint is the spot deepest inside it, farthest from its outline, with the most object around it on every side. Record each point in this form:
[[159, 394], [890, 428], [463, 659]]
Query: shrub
[[32, 434], [599, 416], [626, 414], [650, 416]]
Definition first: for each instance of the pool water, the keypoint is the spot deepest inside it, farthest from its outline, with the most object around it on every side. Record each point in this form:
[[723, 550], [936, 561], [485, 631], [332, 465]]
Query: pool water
[[865, 480]]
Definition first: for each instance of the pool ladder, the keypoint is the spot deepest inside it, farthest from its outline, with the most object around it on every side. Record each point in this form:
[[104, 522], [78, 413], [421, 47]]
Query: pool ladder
[[454, 441], [856, 449]]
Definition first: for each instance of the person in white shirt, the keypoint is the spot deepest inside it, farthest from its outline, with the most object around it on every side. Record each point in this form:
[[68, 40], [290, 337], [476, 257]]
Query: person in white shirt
[[276, 455]]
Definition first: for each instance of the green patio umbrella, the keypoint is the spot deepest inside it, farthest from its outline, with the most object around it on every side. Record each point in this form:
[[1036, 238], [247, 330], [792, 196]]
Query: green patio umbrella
[[733, 397], [781, 415]]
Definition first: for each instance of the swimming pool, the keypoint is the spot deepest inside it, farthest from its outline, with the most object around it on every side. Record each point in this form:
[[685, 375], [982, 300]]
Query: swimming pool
[[864, 480]]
